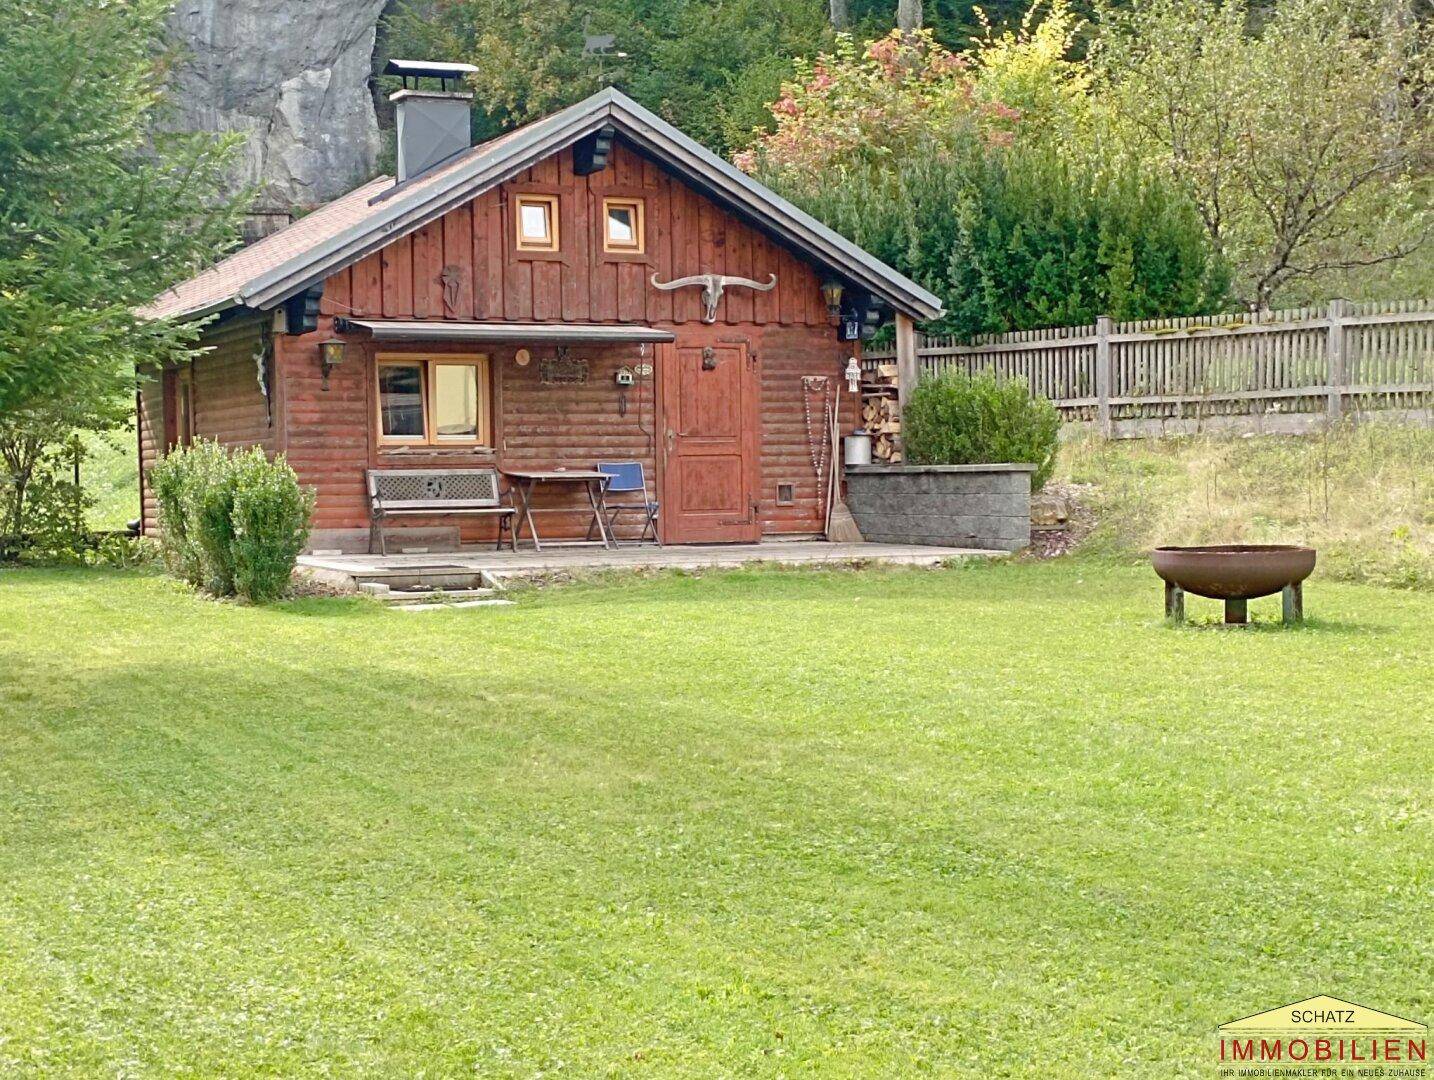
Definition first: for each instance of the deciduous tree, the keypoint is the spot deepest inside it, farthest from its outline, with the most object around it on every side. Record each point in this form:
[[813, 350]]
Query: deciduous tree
[[912, 152], [709, 68], [1303, 135]]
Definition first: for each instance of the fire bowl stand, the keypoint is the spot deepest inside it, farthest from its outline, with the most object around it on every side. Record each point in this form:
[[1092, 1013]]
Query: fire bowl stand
[[1292, 601]]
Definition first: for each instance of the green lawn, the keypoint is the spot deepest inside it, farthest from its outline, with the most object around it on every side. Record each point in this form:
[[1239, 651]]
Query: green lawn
[[994, 821]]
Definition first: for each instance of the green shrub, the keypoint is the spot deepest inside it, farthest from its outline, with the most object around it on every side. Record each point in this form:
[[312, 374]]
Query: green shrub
[[1019, 239], [961, 419], [178, 550], [207, 498], [124, 552], [270, 524], [54, 530], [230, 523]]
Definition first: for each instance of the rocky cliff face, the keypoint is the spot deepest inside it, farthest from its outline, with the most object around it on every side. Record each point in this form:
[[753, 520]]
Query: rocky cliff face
[[294, 76]]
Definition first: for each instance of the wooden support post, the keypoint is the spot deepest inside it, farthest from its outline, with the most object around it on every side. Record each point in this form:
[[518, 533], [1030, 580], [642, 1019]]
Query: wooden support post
[[906, 363], [1337, 376], [1174, 602], [1292, 602], [907, 369], [1236, 612], [1103, 374]]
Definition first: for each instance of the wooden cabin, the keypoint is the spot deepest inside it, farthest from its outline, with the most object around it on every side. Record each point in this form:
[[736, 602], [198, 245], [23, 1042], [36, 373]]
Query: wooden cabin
[[512, 305]]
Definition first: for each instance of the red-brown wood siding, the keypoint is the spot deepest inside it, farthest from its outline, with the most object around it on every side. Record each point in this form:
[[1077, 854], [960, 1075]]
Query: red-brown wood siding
[[229, 406], [788, 354], [150, 419], [331, 439], [474, 247], [228, 403], [329, 435]]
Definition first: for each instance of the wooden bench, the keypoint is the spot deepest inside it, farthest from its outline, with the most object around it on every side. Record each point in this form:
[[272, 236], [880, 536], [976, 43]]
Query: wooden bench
[[428, 492]]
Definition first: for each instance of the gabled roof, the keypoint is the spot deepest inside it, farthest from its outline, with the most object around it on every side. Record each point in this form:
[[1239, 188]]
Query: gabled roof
[[344, 231]]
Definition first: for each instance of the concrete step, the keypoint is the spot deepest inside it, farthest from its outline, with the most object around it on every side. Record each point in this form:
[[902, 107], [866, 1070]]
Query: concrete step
[[433, 596], [416, 594], [423, 578], [449, 607]]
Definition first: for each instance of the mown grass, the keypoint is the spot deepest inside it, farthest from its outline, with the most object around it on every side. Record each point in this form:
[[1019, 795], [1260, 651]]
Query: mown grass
[[1363, 495], [994, 821]]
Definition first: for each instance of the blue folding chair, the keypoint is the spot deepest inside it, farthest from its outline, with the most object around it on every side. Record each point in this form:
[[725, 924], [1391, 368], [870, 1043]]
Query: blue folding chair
[[627, 477]]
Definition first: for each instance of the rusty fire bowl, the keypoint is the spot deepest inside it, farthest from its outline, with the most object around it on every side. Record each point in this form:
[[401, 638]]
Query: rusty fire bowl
[[1234, 571]]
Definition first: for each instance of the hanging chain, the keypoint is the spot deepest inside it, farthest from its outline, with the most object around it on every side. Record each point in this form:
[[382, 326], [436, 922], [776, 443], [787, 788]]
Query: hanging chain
[[817, 448]]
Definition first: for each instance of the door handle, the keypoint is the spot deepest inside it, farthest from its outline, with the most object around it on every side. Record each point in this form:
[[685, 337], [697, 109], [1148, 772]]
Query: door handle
[[670, 437]]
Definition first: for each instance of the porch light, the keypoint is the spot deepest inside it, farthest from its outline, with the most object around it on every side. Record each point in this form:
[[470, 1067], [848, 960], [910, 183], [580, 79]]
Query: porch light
[[331, 355], [831, 293]]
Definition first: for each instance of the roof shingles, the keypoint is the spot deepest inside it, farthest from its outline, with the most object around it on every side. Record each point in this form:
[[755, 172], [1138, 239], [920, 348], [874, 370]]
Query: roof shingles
[[222, 282]]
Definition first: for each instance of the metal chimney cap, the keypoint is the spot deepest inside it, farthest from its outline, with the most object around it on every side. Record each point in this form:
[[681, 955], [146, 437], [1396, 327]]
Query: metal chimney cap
[[430, 69], [408, 93]]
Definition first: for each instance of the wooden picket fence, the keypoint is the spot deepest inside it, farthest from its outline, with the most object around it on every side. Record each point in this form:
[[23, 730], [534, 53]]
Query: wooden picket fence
[[1276, 370]]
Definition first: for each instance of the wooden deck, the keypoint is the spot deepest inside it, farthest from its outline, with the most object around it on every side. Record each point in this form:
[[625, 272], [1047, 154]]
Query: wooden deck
[[441, 565]]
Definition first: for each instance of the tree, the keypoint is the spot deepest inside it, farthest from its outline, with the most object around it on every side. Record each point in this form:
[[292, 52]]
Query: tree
[[911, 152], [908, 15], [901, 96], [95, 217], [1304, 142], [709, 68], [1031, 68]]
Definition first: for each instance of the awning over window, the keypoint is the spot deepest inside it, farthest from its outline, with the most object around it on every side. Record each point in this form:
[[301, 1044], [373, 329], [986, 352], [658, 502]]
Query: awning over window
[[516, 333]]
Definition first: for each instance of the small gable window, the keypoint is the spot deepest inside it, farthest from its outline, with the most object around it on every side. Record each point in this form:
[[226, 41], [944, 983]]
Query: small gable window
[[537, 220], [622, 225]]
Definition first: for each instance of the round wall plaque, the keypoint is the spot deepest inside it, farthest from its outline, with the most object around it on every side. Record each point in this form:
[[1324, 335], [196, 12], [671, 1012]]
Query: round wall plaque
[[521, 357]]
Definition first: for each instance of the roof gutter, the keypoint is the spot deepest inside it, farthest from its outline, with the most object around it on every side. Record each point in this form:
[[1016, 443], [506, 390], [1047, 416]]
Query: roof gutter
[[218, 307]]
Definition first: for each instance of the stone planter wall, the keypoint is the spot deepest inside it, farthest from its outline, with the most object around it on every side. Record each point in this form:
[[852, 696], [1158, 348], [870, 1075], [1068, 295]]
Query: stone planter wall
[[972, 506]]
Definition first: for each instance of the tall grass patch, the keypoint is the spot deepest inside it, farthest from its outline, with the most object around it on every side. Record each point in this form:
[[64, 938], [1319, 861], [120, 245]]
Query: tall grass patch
[[1362, 494]]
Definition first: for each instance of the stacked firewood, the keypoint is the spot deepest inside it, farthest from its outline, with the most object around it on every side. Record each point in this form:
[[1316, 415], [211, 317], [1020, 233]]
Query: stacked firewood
[[880, 413]]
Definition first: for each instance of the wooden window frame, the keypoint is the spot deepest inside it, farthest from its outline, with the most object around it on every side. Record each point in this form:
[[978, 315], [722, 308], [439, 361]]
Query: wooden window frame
[[523, 243], [639, 225], [425, 362]]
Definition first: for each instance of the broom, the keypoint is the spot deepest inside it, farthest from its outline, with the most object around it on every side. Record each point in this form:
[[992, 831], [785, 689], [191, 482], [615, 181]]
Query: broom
[[841, 526]]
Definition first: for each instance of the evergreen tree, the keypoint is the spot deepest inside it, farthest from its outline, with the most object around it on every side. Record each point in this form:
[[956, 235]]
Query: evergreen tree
[[95, 218]]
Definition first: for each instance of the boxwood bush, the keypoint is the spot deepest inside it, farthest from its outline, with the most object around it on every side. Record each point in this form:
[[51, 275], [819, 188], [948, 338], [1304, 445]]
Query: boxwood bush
[[956, 418], [230, 523], [269, 521], [180, 551]]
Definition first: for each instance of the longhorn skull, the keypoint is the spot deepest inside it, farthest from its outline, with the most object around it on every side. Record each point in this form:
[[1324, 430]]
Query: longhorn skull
[[712, 286]]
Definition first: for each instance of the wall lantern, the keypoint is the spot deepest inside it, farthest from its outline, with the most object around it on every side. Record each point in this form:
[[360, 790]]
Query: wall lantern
[[331, 355], [831, 293]]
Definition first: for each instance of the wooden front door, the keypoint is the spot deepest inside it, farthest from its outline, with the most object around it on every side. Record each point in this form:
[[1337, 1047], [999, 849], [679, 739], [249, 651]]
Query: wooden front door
[[709, 443]]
